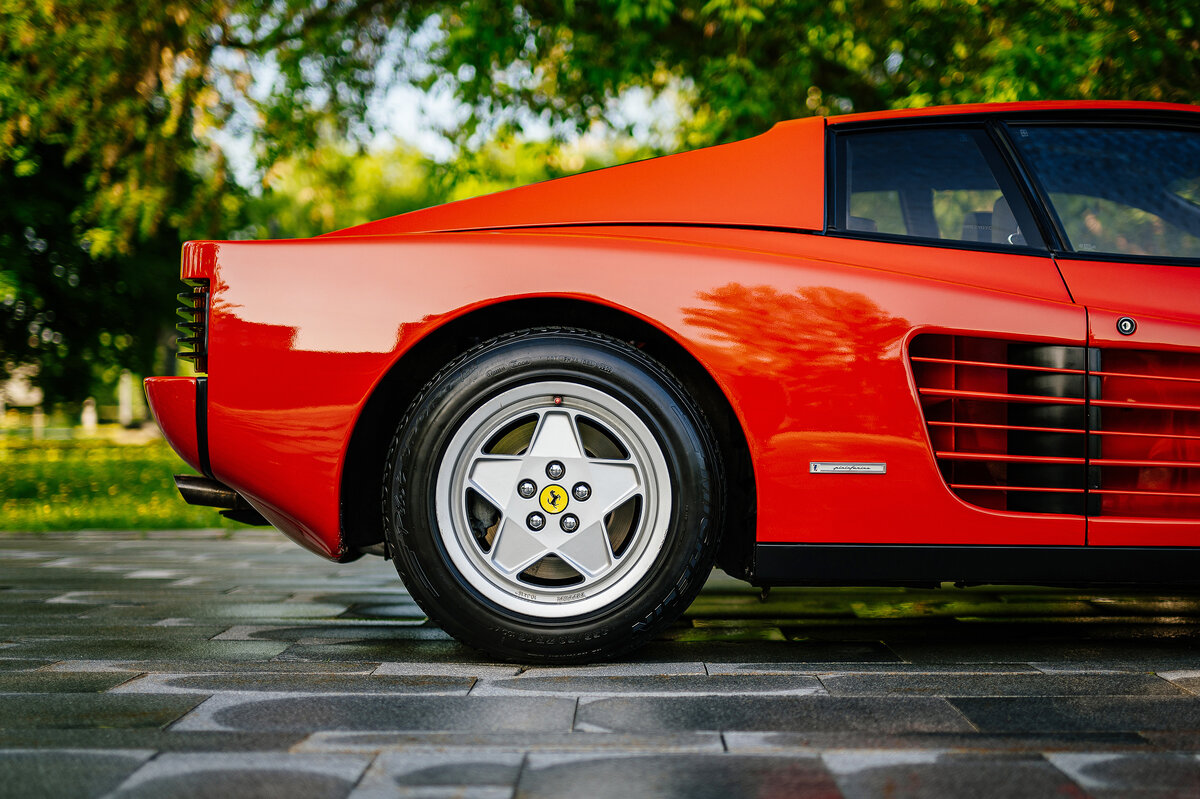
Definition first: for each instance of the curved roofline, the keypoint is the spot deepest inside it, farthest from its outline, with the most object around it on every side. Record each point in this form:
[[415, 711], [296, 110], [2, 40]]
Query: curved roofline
[[1011, 108]]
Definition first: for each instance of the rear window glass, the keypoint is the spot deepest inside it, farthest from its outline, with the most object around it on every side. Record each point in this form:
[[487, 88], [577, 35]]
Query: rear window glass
[[930, 184], [1119, 190]]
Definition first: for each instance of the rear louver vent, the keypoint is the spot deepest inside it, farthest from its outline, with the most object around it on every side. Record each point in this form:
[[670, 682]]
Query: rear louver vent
[[1053, 429], [193, 328]]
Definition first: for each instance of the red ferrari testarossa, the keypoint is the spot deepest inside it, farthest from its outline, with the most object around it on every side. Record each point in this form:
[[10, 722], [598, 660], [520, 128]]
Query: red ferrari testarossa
[[950, 344]]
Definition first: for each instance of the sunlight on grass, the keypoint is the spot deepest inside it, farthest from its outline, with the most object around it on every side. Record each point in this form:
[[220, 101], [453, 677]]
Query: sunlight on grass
[[94, 484]]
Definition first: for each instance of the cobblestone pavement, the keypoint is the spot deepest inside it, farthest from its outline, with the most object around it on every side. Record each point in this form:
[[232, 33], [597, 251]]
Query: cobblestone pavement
[[194, 664]]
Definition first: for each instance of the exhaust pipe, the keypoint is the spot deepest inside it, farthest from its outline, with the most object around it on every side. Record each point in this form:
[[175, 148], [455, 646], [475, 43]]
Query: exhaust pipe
[[205, 491]]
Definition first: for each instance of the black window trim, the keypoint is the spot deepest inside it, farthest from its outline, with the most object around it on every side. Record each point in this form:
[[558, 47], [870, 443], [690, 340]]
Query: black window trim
[[835, 198], [998, 125]]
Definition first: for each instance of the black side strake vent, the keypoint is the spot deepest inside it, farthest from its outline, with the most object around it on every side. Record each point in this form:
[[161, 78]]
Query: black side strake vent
[[193, 308], [1042, 428], [1008, 420]]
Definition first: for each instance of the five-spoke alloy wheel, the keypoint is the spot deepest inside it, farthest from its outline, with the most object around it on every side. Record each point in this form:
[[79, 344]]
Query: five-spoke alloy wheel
[[553, 496]]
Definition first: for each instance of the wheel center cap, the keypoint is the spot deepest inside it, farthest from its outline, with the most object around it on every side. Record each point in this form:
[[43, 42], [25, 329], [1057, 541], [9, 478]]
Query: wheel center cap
[[554, 499]]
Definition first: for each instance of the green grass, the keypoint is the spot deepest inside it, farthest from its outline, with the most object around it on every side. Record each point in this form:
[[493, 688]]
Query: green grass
[[94, 484]]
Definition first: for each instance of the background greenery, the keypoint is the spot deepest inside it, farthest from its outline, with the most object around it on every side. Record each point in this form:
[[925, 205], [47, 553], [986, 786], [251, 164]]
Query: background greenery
[[89, 484], [117, 117]]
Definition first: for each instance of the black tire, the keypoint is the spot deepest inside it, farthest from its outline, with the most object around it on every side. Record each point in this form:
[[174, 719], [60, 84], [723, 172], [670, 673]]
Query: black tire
[[622, 402]]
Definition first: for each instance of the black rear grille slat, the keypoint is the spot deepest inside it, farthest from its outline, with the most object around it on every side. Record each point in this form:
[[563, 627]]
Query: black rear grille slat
[[194, 312]]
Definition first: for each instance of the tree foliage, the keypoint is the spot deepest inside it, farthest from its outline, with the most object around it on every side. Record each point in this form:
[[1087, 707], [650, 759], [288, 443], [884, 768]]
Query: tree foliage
[[335, 185], [111, 112], [108, 110], [745, 64]]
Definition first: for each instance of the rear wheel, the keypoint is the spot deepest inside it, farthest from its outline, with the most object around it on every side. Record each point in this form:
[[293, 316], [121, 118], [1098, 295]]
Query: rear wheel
[[553, 496]]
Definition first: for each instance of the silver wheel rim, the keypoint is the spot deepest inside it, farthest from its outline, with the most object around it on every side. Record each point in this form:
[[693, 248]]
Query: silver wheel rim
[[484, 507]]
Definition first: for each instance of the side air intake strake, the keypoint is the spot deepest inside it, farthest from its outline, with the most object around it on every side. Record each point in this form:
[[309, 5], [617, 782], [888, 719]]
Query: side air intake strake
[[1057, 429], [193, 308]]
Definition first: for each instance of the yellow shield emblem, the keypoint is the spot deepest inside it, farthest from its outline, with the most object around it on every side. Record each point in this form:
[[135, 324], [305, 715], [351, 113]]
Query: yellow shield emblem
[[554, 499]]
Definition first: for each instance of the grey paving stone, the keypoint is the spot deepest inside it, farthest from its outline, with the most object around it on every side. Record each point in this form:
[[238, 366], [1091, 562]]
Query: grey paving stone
[[324, 684], [1187, 680], [221, 776], [23, 664], [442, 649], [511, 742], [1079, 714], [214, 666], [814, 742], [1106, 774], [373, 631], [672, 685], [53, 774], [623, 669], [291, 629], [67, 711], [372, 713], [150, 649], [389, 591], [923, 773], [1174, 740], [998, 685], [473, 670], [71, 630], [1065, 667], [893, 715], [481, 775], [29, 613], [223, 609], [890, 667], [548, 776], [59, 682], [380, 610], [149, 739]]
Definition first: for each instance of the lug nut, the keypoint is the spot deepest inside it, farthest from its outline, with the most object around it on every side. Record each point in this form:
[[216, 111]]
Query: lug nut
[[581, 491], [526, 488], [555, 470], [569, 523], [535, 521]]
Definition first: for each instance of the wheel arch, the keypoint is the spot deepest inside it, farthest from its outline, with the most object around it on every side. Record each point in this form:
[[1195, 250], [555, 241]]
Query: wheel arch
[[359, 492]]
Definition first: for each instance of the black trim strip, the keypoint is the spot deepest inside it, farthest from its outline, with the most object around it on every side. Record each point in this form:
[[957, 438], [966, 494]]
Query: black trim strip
[[942, 244], [533, 227], [1035, 200], [202, 425], [888, 564]]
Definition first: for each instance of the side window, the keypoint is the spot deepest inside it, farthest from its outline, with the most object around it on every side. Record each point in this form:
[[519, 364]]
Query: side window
[[947, 184], [1119, 190]]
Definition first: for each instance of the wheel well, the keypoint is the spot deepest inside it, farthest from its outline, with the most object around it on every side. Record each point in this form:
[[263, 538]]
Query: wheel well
[[361, 510]]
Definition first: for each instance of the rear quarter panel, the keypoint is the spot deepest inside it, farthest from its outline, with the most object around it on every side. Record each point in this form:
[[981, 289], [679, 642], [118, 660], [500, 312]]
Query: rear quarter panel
[[805, 335]]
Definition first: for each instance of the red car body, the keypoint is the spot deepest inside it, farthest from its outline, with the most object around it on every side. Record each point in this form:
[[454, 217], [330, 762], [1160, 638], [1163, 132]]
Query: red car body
[[861, 384]]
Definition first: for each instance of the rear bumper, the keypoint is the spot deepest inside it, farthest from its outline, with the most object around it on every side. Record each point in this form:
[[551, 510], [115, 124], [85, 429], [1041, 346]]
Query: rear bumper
[[179, 407]]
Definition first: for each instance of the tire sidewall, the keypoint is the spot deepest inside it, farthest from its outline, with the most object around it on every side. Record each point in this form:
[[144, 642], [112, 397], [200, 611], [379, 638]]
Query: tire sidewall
[[421, 442]]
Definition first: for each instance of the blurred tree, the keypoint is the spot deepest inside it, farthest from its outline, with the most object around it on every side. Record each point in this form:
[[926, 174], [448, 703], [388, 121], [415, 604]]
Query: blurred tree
[[111, 110], [334, 185], [80, 318], [741, 65]]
